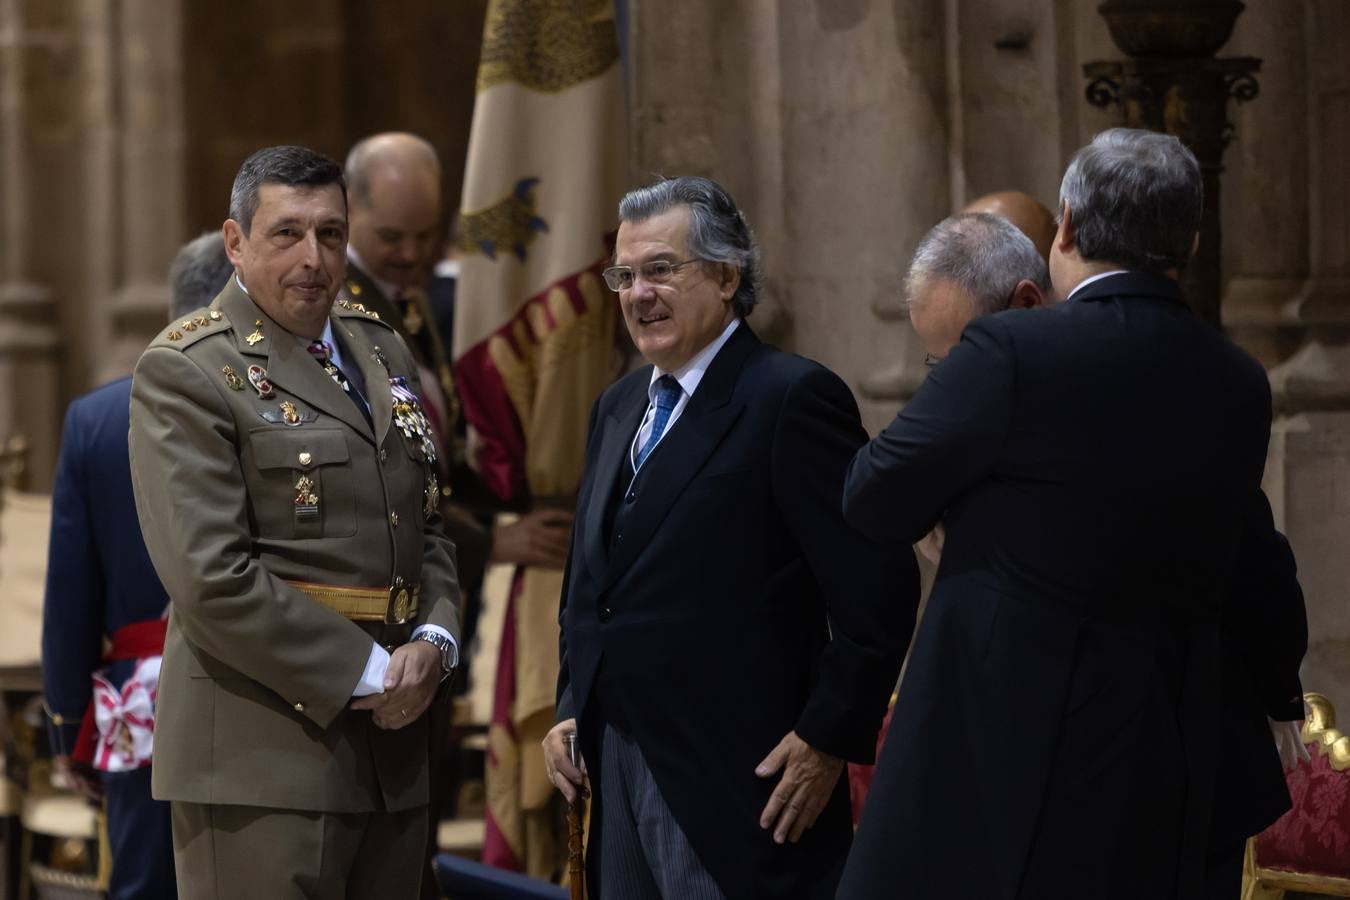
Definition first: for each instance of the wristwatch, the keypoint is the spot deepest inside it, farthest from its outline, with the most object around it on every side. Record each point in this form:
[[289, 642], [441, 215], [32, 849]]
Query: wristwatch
[[449, 652]]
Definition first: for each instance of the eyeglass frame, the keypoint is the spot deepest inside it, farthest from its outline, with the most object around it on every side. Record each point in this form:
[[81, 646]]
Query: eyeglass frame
[[619, 270]]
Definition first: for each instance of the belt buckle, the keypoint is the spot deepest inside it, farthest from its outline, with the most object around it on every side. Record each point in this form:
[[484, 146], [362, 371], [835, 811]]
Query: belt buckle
[[399, 609]]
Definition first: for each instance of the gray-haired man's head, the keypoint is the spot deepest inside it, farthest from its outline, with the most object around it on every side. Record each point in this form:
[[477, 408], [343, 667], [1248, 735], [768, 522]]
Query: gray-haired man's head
[[969, 266], [1133, 199], [686, 264], [199, 272]]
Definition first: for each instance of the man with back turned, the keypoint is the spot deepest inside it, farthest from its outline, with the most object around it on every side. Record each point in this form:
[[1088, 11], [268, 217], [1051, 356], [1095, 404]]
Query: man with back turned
[[1094, 464]]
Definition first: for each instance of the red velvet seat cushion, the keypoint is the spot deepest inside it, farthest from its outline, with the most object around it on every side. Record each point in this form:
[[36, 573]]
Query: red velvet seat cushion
[[1314, 837]]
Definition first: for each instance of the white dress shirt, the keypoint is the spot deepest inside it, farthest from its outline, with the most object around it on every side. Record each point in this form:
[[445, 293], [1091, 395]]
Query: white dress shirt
[[689, 375]]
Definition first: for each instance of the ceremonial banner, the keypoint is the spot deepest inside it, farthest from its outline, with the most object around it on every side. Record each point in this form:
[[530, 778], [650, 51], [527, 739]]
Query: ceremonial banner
[[534, 340]]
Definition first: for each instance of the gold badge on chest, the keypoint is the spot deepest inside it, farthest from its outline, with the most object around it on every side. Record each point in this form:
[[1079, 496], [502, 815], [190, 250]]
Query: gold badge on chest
[[306, 498]]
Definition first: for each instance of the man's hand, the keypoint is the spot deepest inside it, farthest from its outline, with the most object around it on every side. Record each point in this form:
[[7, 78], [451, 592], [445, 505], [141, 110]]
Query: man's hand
[[561, 773], [538, 538], [1289, 743], [410, 683], [73, 776], [809, 777]]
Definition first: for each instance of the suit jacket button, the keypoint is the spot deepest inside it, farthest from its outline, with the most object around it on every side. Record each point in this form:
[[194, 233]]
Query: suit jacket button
[[299, 707], [632, 497], [605, 613]]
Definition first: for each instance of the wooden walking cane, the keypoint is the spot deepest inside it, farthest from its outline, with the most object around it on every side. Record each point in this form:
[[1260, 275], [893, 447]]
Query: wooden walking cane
[[576, 831]]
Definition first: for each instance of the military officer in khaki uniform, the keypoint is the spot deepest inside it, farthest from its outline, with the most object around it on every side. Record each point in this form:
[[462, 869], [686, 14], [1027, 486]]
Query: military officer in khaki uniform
[[287, 491]]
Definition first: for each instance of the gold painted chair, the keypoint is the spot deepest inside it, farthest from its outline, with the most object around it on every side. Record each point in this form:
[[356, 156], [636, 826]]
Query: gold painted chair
[[1308, 849]]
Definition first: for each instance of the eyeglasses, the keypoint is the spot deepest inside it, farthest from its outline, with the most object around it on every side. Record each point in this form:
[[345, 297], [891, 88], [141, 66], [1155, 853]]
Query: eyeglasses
[[658, 271]]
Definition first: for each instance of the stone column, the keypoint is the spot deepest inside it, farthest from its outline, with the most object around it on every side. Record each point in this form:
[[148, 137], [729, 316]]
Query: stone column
[[150, 214], [866, 172], [1308, 475], [31, 39], [1265, 192]]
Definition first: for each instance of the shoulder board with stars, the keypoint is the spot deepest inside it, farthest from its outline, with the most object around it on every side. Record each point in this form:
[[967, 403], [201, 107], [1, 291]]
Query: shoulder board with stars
[[183, 333], [346, 308]]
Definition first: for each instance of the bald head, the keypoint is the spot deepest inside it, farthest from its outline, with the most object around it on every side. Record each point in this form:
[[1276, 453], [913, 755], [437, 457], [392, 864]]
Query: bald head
[[394, 190], [1023, 210]]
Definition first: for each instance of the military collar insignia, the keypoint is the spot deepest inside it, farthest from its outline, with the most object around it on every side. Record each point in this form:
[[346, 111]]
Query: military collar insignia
[[343, 303]]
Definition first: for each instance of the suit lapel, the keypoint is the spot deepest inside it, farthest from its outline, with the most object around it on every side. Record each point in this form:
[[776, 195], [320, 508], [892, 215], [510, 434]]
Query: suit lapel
[[617, 436], [686, 448]]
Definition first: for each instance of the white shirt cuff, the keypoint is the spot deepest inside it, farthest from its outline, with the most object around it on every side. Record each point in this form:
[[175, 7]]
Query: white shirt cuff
[[372, 679]]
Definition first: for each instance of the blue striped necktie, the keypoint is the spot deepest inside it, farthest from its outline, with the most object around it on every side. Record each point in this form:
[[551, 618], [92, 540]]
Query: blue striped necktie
[[668, 393]]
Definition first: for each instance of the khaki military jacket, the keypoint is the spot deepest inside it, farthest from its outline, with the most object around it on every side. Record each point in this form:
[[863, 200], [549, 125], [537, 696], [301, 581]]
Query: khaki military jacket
[[246, 485]]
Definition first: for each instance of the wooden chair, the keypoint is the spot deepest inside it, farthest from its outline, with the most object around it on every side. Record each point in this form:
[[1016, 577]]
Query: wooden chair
[[1308, 849]]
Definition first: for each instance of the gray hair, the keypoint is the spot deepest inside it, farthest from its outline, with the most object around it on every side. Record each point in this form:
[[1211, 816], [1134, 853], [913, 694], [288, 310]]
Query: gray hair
[[718, 231], [199, 272], [1135, 199], [984, 254], [287, 165], [392, 147]]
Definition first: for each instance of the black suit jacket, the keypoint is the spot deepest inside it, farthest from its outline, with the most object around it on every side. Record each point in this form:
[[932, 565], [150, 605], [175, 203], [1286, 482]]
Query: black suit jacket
[[1265, 629], [1094, 464], [732, 604]]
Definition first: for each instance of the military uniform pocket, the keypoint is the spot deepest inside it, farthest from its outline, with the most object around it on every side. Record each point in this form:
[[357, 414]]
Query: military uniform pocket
[[304, 484]]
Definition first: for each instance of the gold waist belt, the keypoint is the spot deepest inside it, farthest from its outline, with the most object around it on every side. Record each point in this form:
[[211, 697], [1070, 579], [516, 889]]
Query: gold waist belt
[[393, 605]]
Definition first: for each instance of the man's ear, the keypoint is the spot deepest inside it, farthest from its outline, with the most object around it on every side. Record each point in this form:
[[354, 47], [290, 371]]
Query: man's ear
[[730, 281], [234, 241], [1064, 234], [1028, 295]]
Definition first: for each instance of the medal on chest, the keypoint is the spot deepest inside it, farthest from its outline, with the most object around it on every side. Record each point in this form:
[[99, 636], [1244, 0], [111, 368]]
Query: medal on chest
[[411, 419]]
